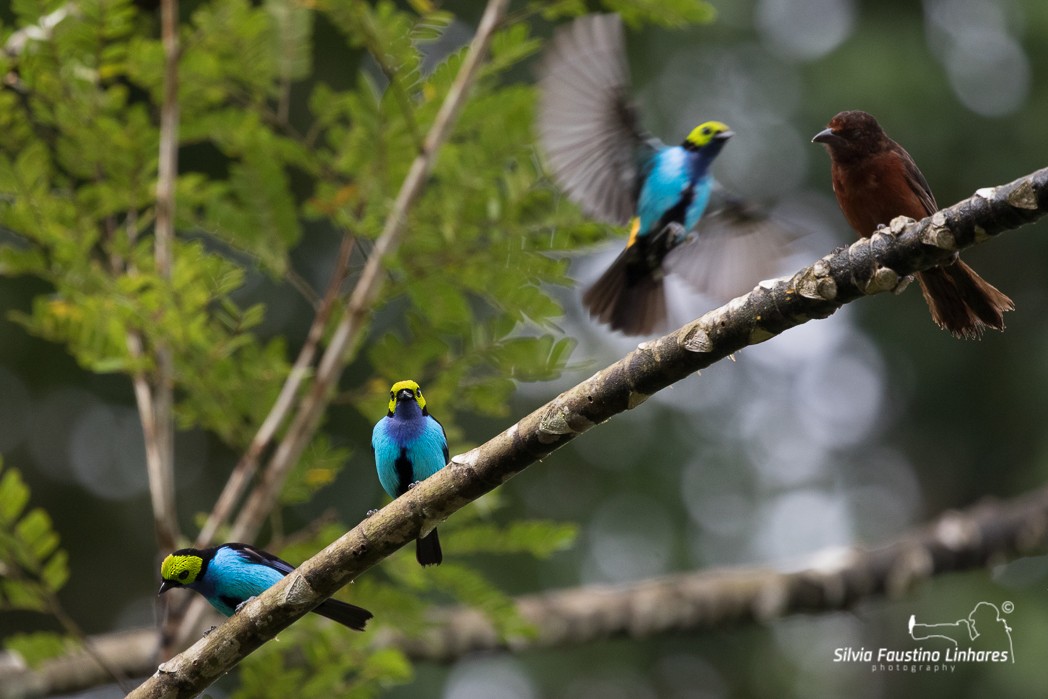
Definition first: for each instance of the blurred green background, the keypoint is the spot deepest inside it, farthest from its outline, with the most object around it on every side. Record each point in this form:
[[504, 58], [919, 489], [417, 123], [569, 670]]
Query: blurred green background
[[846, 431]]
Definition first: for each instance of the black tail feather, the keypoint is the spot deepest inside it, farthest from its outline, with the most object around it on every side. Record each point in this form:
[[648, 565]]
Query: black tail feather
[[628, 296], [427, 550], [346, 614]]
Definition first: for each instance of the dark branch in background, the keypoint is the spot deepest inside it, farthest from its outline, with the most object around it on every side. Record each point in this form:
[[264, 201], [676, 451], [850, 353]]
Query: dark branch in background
[[869, 266], [987, 534]]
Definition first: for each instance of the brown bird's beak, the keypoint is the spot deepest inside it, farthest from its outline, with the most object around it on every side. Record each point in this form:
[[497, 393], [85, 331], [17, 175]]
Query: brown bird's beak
[[828, 137], [165, 586]]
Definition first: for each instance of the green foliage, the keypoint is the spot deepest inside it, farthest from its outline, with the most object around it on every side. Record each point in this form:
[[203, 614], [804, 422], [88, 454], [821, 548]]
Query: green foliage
[[327, 658], [35, 648], [294, 26], [78, 189], [319, 658], [316, 468], [268, 148], [32, 566], [666, 13], [534, 537]]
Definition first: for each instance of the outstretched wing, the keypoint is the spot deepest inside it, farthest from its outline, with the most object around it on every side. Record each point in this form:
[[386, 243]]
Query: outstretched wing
[[587, 124], [736, 245]]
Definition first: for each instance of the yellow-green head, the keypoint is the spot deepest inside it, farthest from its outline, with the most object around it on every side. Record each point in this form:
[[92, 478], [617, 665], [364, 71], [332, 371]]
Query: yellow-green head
[[401, 389], [703, 134], [181, 568]]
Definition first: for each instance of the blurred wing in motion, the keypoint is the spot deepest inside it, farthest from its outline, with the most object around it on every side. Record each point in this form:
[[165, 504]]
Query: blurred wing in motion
[[737, 245], [587, 124]]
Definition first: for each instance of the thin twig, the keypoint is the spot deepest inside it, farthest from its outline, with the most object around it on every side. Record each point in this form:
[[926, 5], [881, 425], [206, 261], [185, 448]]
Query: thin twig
[[99, 664], [161, 485], [156, 408], [299, 284], [113, 669]]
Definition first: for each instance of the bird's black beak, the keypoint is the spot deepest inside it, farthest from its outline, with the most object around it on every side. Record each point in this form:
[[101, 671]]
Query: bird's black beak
[[405, 394], [167, 585], [724, 135], [828, 137]]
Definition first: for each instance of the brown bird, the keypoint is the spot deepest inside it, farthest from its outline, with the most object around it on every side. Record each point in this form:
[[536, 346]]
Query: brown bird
[[875, 180]]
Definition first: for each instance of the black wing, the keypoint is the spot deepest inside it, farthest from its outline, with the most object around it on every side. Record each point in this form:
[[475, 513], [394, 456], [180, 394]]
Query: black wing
[[257, 555], [587, 124]]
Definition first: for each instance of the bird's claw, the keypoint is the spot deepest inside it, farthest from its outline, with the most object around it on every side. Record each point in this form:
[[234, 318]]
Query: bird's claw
[[903, 283], [241, 605], [411, 486], [208, 631], [369, 513]]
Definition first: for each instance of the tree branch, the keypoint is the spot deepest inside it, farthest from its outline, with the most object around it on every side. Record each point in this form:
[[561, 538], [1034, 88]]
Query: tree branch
[[986, 534], [867, 267], [989, 533], [132, 652]]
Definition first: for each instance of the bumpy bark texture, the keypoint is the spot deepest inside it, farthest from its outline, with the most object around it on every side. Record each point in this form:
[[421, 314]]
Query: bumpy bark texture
[[869, 266]]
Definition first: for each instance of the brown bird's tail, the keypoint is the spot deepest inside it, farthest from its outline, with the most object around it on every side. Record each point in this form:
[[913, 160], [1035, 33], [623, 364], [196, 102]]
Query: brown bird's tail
[[427, 550], [629, 297], [962, 302]]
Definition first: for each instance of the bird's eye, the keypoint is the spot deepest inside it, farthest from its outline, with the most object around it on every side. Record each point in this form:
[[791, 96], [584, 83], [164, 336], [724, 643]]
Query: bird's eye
[[706, 131], [392, 395], [418, 392], [183, 575]]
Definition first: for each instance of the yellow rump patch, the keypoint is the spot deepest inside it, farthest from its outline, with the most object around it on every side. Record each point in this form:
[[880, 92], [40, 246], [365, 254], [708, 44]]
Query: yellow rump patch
[[634, 229]]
